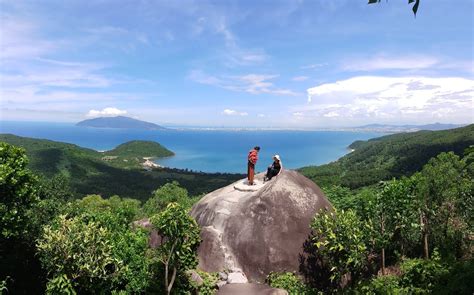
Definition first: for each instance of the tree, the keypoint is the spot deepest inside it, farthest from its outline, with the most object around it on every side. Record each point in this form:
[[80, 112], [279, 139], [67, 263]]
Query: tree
[[170, 192], [19, 268], [446, 190], [96, 248], [17, 191], [342, 243], [414, 8], [180, 239], [53, 194], [79, 252], [395, 217]]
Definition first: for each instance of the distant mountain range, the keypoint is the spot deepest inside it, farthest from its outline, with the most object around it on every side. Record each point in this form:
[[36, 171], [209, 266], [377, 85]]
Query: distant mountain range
[[119, 122], [407, 128]]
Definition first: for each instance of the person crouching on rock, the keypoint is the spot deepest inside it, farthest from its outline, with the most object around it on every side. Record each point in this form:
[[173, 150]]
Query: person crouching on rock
[[274, 169], [252, 161]]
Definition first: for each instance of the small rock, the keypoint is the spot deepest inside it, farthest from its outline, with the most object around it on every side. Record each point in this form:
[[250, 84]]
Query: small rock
[[236, 278], [223, 276], [221, 284], [195, 277]]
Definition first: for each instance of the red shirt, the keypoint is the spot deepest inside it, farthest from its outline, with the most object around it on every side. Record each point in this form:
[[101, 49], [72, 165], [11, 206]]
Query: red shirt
[[253, 156]]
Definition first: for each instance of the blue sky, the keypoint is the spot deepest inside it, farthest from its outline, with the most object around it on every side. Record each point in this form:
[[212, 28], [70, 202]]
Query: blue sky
[[302, 64]]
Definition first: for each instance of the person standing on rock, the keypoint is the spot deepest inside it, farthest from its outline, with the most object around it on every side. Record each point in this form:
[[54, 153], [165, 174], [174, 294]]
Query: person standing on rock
[[252, 161]]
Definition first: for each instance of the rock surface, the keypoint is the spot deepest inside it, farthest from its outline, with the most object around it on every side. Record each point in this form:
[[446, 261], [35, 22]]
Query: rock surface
[[257, 231], [250, 289], [236, 278]]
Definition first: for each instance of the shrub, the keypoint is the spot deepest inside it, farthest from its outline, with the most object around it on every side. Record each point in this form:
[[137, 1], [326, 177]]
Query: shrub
[[338, 250], [72, 250], [289, 282], [168, 193], [389, 284], [94, 251], [422, 275], [209, 284], [60, 285], [459, 280]]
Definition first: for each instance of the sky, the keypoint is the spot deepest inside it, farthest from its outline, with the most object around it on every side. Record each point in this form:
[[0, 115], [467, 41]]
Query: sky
[[266, 63]]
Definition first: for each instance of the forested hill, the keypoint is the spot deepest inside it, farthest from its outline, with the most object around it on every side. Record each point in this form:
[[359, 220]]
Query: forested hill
[[390, 156], [140, 148], [115, 172]]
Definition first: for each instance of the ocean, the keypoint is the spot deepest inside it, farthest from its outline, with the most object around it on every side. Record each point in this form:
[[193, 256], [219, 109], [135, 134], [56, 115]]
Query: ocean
[[206, 150]]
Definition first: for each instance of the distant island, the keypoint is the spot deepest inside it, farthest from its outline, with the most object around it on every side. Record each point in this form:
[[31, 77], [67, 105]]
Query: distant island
[[119, 122]]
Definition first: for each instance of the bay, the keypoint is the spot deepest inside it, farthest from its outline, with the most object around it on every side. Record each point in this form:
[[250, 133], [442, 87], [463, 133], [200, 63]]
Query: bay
[[206, 150]]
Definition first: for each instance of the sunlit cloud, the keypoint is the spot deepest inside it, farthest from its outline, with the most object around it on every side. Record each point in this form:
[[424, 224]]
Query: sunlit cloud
[[313, 66], [250, 83], [300, 78], [229, 112], [107, 112], [380, 98], [390, 63]]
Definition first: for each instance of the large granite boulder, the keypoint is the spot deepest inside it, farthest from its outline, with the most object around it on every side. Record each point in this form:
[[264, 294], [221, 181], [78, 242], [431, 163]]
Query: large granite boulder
[[257, 229]]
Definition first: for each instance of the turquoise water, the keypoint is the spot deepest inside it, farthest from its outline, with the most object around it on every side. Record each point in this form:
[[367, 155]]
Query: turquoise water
[[206, 150]]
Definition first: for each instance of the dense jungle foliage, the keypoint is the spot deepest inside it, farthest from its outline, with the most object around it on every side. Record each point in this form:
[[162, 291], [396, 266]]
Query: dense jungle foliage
[[407, 235]]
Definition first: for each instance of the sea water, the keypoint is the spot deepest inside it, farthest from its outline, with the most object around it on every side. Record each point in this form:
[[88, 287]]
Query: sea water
[[206, 150]]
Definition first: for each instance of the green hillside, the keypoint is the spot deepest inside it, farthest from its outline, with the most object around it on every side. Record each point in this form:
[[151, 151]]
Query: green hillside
[[140, 148], [116, 172], [131, 154], [390, 156]]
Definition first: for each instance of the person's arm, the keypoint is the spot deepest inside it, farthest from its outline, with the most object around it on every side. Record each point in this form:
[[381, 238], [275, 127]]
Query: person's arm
[[281, 168], [253, 157]]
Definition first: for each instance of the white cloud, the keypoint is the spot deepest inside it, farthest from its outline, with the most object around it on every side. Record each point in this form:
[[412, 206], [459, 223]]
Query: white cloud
[[250, 83], [393, 98], [128, 39], [107, 112], [331, 115], [300, 78], [232, 53], [18, 37], [313, 66], [261, 115], [385, 63], [229, 112]]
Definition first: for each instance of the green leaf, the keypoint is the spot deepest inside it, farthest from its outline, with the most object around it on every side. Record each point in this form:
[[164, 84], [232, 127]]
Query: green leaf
[[415, 7]]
